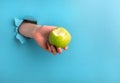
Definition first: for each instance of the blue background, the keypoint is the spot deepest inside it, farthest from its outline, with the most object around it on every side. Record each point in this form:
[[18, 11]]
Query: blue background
[[94, 52]]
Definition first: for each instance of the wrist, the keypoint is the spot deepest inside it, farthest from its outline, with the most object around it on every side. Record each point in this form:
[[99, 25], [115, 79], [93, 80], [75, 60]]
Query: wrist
[[35, 31]]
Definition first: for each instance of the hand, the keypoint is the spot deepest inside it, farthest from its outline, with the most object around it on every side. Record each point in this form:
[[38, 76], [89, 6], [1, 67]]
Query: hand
[[41, 35]]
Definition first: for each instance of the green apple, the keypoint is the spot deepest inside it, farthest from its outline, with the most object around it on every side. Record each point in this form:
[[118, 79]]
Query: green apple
[[59, 37]]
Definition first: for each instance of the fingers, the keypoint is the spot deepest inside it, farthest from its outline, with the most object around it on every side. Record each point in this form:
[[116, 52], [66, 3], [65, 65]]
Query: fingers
[[48, 47], [59, 50], [51, 48], [55, 50], [66, 48]]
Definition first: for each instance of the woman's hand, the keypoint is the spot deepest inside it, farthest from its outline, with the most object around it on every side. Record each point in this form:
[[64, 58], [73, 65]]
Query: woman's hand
[[41, 35]]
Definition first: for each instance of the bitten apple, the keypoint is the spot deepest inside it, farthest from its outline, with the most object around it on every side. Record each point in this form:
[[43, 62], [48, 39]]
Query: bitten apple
[[59, 37]]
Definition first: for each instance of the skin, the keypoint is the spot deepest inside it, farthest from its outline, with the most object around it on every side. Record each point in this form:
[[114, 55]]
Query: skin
[[40, 34]]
